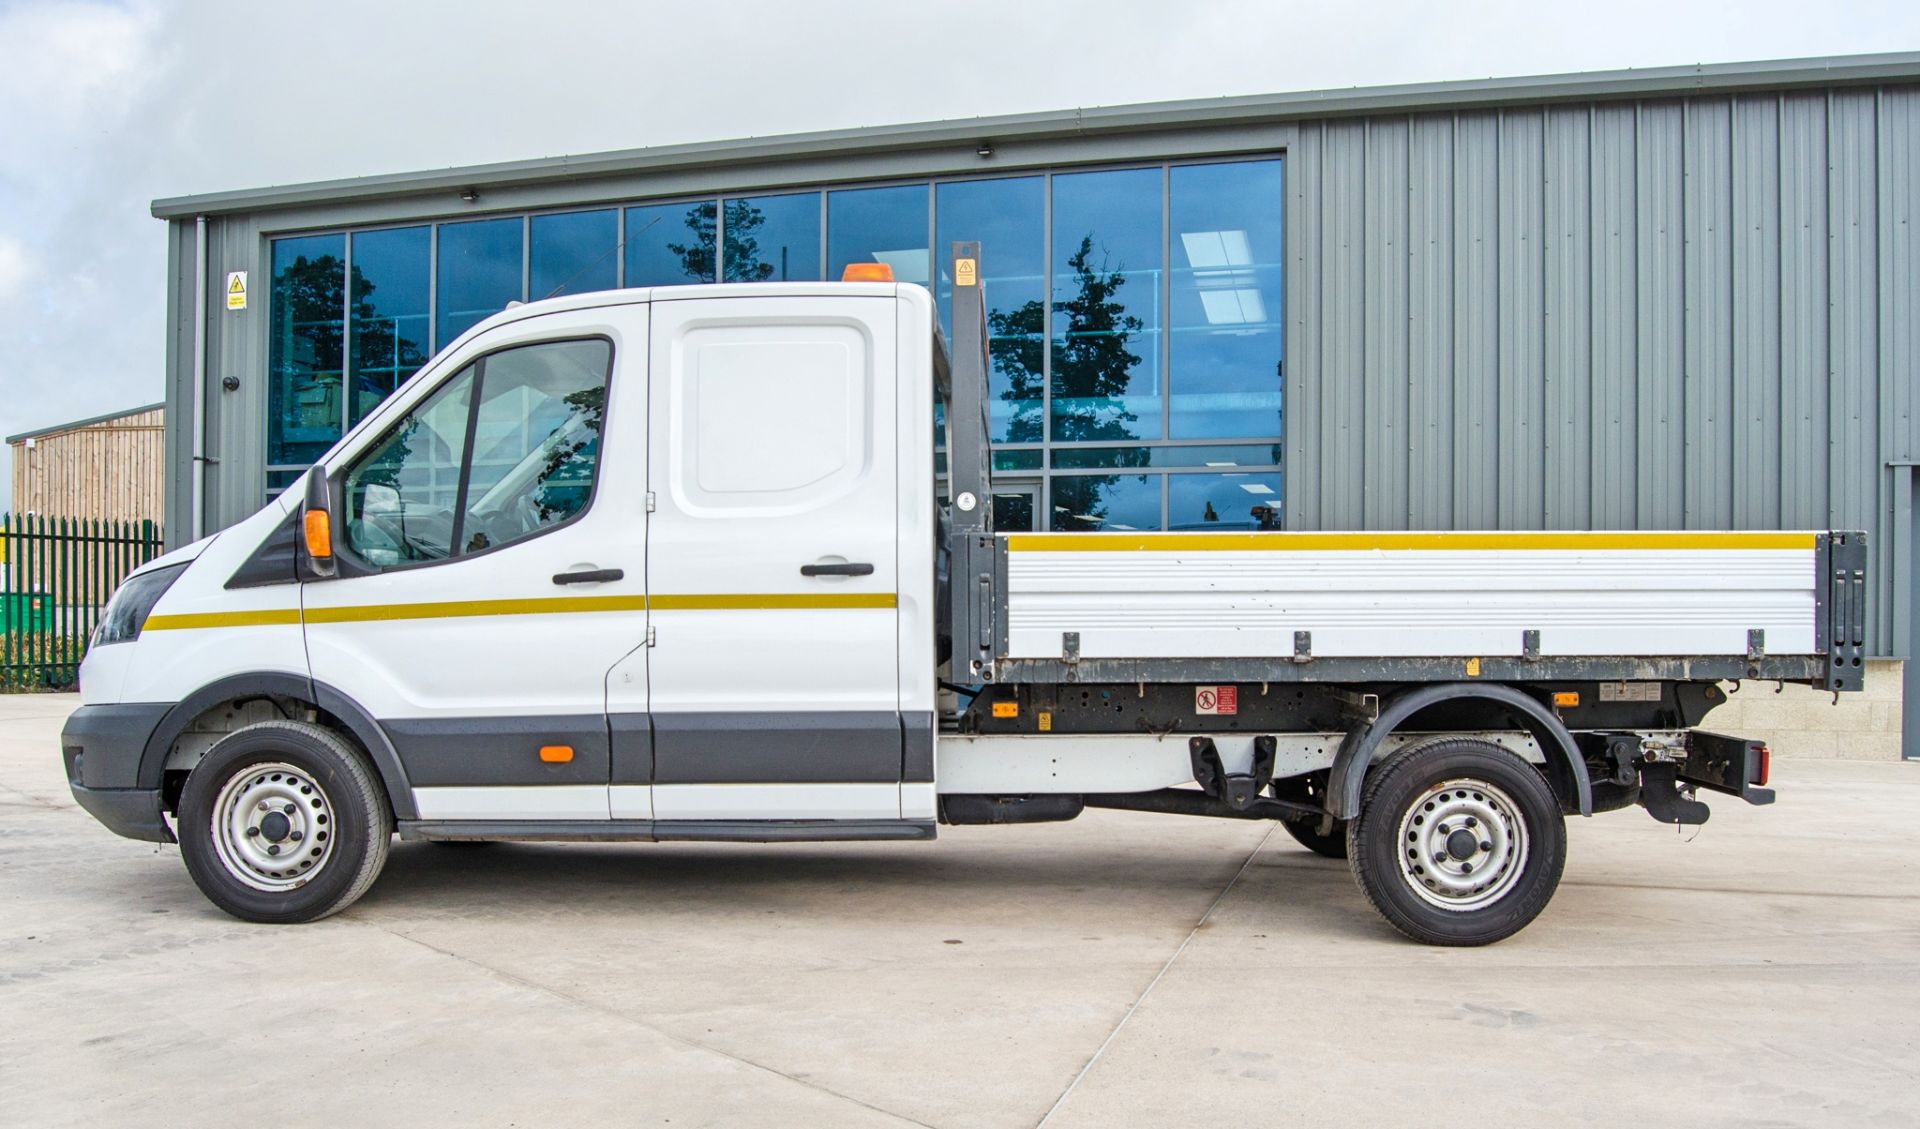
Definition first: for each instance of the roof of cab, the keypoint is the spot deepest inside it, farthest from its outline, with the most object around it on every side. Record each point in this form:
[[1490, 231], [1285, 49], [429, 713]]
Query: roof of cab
[[521, 311]]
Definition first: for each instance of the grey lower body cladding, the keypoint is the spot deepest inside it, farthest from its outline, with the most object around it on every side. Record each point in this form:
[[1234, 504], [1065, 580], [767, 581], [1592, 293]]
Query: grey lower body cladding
[[101, 748], [758, 747]]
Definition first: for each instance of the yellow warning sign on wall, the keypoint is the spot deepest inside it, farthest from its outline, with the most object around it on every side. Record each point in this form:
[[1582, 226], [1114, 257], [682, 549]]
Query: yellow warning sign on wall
[[236, 290]]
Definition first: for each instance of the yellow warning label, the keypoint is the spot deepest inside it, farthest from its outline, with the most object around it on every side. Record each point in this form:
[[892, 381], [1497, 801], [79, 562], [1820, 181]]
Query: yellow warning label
[[1006, 709], [236, 290], [1046, 721], [1473, 668], [966, 272]]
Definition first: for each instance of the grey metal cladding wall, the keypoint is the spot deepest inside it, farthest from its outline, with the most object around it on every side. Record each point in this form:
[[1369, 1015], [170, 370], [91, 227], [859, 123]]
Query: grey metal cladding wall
[[1664, 314]]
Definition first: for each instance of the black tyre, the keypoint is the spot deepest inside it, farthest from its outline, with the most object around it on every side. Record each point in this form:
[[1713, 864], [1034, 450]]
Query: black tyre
[[283, 822], [1332, 845], [1459, 842]]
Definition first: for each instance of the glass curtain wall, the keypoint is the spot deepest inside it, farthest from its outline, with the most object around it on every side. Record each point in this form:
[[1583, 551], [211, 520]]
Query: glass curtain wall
[[1134, 315]]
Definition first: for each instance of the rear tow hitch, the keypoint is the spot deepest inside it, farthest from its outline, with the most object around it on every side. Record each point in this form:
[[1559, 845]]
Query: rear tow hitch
[[1660, 794]]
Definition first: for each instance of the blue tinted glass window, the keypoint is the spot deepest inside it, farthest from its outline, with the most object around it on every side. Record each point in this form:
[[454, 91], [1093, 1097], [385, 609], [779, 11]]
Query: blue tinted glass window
[[1226, 339], [1101, 457], [573, 253], [772, 238], [879, 225], [1224, 501], [308, 297], [479, 273], [1006, 218], [390, 314], [1091, 503], [1106, 305], [670, 244]]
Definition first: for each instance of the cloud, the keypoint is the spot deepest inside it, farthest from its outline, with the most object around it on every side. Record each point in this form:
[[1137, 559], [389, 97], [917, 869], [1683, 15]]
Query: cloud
[[14, 268]]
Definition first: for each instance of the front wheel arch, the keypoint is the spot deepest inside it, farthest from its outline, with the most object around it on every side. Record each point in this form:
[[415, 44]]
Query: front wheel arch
[[336, 711]]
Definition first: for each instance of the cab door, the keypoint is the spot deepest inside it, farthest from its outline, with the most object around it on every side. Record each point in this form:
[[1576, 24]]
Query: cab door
[[772, 574], [492, 556]]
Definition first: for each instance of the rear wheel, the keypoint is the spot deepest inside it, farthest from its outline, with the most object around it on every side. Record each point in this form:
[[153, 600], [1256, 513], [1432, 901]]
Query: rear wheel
[[283, 822], [1459, 842]]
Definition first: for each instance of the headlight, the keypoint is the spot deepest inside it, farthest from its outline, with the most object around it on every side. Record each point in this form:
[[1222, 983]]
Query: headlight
[[127, 612]]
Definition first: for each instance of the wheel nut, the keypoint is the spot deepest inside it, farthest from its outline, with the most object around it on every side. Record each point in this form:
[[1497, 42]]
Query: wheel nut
[[1485, 845], [1471, 822], [296, 837], [273, 848], [1439, 856], [1466, 868], [252, 832], [1442, 829]]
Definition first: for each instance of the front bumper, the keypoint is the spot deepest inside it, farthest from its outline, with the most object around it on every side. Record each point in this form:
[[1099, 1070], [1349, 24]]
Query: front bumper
[[102, 747]]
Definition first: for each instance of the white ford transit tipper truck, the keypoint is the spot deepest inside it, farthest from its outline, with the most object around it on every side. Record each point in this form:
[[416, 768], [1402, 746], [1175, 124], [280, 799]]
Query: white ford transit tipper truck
[[674, 564]]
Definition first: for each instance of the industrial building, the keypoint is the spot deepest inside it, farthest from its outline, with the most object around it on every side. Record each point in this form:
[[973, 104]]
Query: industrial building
[[1680, 298]]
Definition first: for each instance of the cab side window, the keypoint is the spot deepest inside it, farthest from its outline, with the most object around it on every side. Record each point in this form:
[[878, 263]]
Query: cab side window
[[505, 450]]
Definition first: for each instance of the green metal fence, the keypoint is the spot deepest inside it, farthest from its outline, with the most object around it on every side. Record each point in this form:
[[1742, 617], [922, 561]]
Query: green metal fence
[[56, 574]]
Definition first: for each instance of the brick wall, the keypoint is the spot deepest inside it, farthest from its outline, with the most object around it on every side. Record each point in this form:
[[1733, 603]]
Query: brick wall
[[1803, 722]]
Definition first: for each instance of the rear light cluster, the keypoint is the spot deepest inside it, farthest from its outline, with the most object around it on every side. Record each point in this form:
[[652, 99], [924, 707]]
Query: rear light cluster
[[1762, 765]]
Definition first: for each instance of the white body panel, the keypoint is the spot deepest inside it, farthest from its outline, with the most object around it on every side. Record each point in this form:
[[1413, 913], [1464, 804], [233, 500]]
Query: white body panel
[[541, 801], [201, 631], [1013, 765], [776, 801], [1188, 600], [417, 653], [773, 448], [915, 526]]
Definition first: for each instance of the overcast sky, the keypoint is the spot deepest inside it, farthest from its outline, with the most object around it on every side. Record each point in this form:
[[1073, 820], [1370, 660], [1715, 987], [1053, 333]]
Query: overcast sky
[[105, 106]]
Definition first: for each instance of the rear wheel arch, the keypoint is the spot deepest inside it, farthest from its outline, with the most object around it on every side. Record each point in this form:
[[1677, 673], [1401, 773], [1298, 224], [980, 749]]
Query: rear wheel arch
[[1565, 768], [334, 710]]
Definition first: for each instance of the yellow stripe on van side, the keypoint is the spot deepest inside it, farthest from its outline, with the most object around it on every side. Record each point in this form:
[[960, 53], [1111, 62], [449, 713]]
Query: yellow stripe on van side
[[774, 601], [548, 605], [1362, 542], [568, 605], [268, 617], [464, 609]]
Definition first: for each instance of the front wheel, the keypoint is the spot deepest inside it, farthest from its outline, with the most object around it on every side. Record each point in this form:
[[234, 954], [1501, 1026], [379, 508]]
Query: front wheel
[[1459, 842], [283, 822]]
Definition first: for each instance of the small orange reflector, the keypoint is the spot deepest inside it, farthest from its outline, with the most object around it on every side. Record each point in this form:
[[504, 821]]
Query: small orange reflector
[[556, 754], [319, 535], [1763, 766], [1006, 709], [1565, 699], [867, 272]]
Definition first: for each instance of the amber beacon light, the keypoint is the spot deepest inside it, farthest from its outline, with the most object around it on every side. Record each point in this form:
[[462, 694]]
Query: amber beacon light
[[319, 535], [867, 272]]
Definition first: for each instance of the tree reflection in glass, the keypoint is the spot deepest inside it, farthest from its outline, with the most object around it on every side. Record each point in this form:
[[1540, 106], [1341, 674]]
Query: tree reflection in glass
[[1093, 360]]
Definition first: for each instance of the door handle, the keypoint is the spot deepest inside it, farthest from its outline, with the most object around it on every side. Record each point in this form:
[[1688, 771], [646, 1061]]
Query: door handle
[[589, 576], [850, 569]]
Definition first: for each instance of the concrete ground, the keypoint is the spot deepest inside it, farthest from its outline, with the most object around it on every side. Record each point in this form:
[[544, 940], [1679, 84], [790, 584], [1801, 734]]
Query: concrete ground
[[1119, 970]]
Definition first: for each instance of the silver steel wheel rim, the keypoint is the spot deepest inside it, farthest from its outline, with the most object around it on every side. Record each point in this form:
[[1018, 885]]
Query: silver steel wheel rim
[[1436, 859], [273, 827]]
